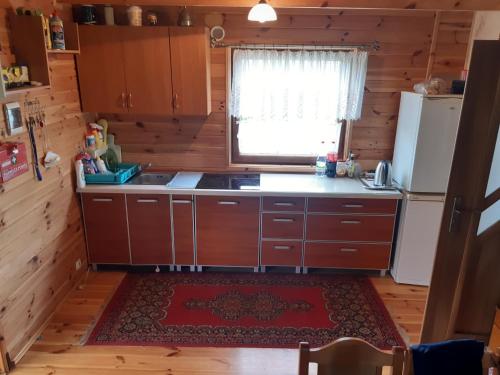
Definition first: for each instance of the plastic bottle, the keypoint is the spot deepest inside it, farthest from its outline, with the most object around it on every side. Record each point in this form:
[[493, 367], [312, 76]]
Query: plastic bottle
[[57, 32], [80, 174], [321, 166]]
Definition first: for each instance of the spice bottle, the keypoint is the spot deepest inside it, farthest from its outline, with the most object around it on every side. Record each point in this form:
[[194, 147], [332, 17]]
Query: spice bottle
[[57, 31]]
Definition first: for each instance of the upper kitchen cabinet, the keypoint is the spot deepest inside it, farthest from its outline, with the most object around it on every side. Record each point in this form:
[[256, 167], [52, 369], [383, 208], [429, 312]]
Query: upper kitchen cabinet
[[144, 70], [190, 70], [101, 76]]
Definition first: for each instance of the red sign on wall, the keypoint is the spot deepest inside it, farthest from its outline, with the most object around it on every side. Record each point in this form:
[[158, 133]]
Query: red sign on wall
[[13, 161]]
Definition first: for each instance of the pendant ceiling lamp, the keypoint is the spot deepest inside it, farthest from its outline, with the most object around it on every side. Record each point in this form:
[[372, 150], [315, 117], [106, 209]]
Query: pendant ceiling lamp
[[262, 12]]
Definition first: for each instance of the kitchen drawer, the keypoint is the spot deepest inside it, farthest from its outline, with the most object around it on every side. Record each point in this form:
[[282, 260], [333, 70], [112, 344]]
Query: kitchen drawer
[[348, 205], [347, 255], [283, 204], [370, 228], [282, 225], [227, 231], [281, 253]]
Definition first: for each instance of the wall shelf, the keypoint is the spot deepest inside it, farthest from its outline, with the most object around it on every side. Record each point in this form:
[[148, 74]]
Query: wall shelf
[[28, 45]]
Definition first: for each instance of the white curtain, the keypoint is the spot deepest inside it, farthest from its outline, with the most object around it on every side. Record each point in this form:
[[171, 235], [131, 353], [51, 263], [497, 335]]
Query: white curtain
[[302, 85]]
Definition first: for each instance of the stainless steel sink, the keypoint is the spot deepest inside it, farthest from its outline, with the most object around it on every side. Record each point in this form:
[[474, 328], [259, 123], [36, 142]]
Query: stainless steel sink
[[151, 178]]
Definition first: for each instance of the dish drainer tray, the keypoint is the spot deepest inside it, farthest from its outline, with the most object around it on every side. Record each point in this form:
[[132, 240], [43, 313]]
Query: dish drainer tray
[[125, 171]]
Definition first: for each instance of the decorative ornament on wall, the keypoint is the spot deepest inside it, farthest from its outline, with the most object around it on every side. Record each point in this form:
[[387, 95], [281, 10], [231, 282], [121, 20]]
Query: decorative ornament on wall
[[217, 34]]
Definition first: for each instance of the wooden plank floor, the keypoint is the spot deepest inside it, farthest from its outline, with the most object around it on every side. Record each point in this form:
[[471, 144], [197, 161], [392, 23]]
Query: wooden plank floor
[[59, 349]]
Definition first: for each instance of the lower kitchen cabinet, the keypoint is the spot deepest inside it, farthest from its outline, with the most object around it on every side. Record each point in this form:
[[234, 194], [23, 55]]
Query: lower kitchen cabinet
[[183, 226], [347, 255], [227, 231], [106, 228], [149, 229], [281, 253]]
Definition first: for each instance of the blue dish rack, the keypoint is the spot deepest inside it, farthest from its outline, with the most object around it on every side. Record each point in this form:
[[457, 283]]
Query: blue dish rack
[[125, 171]]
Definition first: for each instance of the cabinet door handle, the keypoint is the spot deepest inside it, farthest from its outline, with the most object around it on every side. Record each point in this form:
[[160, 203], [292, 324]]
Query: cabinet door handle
[[181, 201], [350, 222], [284, 204], [352, 205], [282, 247], [228, 203], [130, 105], [283, 220], [124, 104], [147, 200], [176, 101], [347, 250], [102, 199]]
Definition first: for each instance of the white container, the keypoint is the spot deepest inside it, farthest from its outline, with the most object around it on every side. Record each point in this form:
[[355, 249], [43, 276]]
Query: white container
[[109, 15], [134, 14], [80, 174]]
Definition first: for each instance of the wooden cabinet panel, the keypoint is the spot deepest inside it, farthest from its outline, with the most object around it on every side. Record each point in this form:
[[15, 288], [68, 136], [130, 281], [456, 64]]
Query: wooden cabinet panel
[[282, 225], [149, 228], [106, 228], [349, 228], [147, 69], [190, 70], [182, 211], [227, 230], [283, 204], [352, 205], [347, 255], [281, 253], [101, 74]]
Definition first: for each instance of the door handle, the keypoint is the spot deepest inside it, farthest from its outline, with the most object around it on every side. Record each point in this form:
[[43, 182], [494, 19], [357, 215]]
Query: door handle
[[130, 105], [102, 199], [124, 104], [284, 204], [347, 250], [283, 220], [350, 222], [181, 201], [456, 215], [282, 247], [228, 203], [351, 205], [147, 200], [176, 101]]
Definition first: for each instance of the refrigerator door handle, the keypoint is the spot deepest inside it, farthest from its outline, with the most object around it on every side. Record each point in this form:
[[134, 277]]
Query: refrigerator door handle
[[456, 215]]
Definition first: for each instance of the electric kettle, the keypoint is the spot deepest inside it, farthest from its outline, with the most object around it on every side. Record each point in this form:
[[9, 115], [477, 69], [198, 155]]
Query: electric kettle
[[383, 174]]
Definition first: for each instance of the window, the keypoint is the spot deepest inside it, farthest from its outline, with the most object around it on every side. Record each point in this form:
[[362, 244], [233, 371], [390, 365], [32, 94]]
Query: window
[[288, 106]]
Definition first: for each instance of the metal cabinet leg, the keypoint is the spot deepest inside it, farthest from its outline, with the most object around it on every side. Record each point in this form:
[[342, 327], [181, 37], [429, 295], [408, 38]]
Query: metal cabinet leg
[[383, 273], [192, 268], [256, 269], [305, 270], [171, 268], [297, 269], [199, 268], [178, 268]]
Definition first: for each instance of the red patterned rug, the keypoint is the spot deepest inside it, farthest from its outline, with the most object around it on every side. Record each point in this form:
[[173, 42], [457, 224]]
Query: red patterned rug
[[243, 310]]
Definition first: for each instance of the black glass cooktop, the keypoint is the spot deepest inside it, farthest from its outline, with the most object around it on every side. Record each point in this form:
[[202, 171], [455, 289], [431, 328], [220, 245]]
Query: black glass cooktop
[[229, 182]]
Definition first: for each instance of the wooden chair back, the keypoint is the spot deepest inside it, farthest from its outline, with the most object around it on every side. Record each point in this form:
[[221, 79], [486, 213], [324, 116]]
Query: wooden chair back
[[350, 356]]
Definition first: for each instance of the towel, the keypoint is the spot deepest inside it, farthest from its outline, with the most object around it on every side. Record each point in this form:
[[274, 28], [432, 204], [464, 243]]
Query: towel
[[455, 357]]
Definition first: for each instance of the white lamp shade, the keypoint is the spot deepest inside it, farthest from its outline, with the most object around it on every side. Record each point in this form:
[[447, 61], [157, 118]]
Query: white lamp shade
[[262, 12]]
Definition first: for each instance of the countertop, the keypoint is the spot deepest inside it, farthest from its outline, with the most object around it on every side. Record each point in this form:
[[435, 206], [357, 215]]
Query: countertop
[[271, 184]]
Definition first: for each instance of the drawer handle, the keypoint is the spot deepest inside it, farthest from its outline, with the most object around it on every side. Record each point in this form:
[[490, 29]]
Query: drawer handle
[[228, 203], [350, 222], [283, 220], [352, 205], [102, 199], [182, 201], [282, 247], [147, 200], [284, 204], [347, 250]]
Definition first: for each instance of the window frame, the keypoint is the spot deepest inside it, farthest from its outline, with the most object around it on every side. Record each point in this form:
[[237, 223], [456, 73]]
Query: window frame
[[237, 159]]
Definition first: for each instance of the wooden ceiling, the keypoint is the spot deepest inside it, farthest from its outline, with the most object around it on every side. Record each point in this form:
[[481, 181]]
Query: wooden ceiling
[[325, 4]]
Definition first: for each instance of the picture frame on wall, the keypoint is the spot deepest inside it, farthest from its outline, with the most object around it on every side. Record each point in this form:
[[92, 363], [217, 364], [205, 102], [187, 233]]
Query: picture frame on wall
[[13, 118]]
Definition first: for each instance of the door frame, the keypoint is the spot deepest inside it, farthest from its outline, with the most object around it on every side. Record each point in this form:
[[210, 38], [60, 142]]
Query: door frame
[[459, 247]]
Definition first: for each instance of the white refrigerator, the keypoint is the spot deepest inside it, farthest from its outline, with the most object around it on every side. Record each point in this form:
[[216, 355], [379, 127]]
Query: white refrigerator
[[423, 153]]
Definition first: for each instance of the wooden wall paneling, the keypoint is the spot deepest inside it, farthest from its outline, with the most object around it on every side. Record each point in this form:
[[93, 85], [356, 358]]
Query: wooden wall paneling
[[331, 4], [41, 234], [405, 39]]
